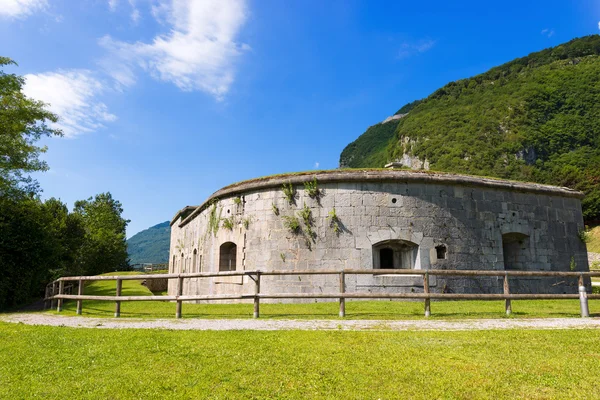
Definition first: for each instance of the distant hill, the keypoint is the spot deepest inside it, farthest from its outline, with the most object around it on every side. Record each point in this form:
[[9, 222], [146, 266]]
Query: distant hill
[[150, 245], [536, 118]]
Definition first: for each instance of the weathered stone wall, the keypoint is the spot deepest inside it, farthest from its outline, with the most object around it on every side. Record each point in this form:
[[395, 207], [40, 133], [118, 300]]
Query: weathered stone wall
[[468, 217], [156, 285]]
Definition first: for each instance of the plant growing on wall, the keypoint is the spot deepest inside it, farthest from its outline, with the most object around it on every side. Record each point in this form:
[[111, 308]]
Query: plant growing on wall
[[289, 192], [282, 255], [291, 223], [334, 221], [237, 200], [306, 215], [275, 209], [311, 188], [228, 223], [584, 235], [214, 218], [246, 221]]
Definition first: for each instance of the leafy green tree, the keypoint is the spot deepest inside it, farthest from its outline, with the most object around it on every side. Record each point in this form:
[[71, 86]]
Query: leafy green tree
[[104, 248], [67, 231], [40, 241], [28, 247], [23, 122]]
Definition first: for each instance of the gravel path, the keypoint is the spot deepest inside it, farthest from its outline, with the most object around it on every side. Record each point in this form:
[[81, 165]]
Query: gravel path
[[270, 325]]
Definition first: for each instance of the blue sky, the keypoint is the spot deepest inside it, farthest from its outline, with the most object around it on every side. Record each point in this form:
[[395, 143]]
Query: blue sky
[[165, 101]]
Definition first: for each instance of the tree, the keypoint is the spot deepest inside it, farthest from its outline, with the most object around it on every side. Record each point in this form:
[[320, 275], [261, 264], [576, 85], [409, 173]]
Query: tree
[[104, 248], [67, 231], [27, 250], [29, 247], [23, 122], [40, 241]]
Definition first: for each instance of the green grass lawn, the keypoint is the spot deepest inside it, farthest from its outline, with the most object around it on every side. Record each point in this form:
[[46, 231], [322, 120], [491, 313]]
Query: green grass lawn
[[593, 243], [324, 310], [71, 363]]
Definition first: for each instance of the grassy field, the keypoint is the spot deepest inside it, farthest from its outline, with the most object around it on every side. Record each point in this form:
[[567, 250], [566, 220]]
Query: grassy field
[[593, 243], [72, 363], [354, 309]]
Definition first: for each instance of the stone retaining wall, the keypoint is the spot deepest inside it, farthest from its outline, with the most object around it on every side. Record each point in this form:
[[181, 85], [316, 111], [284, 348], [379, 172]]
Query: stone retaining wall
[[157, 285]]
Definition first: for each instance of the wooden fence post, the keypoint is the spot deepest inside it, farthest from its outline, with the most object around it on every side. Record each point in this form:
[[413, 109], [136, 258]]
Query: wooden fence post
[[583, 300], [507, 302], [179, 293], [426, 291], [80, 293], [46, 295], [256, 293], [342, 291], [118, 303], [61, 286], [53, 301]]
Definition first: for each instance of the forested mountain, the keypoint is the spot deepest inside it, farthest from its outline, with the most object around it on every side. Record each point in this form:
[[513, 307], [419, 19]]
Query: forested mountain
[[150, 245], [536, 118]]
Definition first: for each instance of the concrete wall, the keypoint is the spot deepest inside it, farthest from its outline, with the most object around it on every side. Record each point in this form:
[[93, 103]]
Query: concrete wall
[[470, 219]]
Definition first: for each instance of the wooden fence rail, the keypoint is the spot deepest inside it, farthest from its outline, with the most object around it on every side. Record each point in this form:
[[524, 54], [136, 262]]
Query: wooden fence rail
[[56, 292]]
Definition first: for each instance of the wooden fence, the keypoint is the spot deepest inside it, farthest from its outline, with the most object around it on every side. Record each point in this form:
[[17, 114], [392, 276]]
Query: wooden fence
[[56, 293]]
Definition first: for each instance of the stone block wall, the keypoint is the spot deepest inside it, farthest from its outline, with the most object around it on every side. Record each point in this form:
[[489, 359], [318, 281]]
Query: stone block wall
[[478, 224]]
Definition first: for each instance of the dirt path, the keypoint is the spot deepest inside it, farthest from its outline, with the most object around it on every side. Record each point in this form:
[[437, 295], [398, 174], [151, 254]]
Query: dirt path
[[269, 325]]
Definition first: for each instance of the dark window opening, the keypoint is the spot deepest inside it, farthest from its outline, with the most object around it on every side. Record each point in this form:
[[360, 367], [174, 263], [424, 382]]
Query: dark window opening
[[194, 260], [395, 254], [394, 200], [386, 258], [515, 249], [227, 257], [440, 252]]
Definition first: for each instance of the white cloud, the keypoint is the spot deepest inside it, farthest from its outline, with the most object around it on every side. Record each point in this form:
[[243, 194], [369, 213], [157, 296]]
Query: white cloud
[[135, 16], [21, 8], [112, 4], [424, 45], [409, 49], [547, 32], [316, 165], [197, 53], [135, 12], [598, 24], [72, 95]]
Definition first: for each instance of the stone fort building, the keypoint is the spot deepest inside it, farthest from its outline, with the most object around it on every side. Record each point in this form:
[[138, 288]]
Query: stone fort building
[[383, 219]]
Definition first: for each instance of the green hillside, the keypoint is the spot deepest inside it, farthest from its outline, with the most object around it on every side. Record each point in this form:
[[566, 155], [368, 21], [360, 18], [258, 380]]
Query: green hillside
[[536, 118], [150, 245], [370, 148]]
